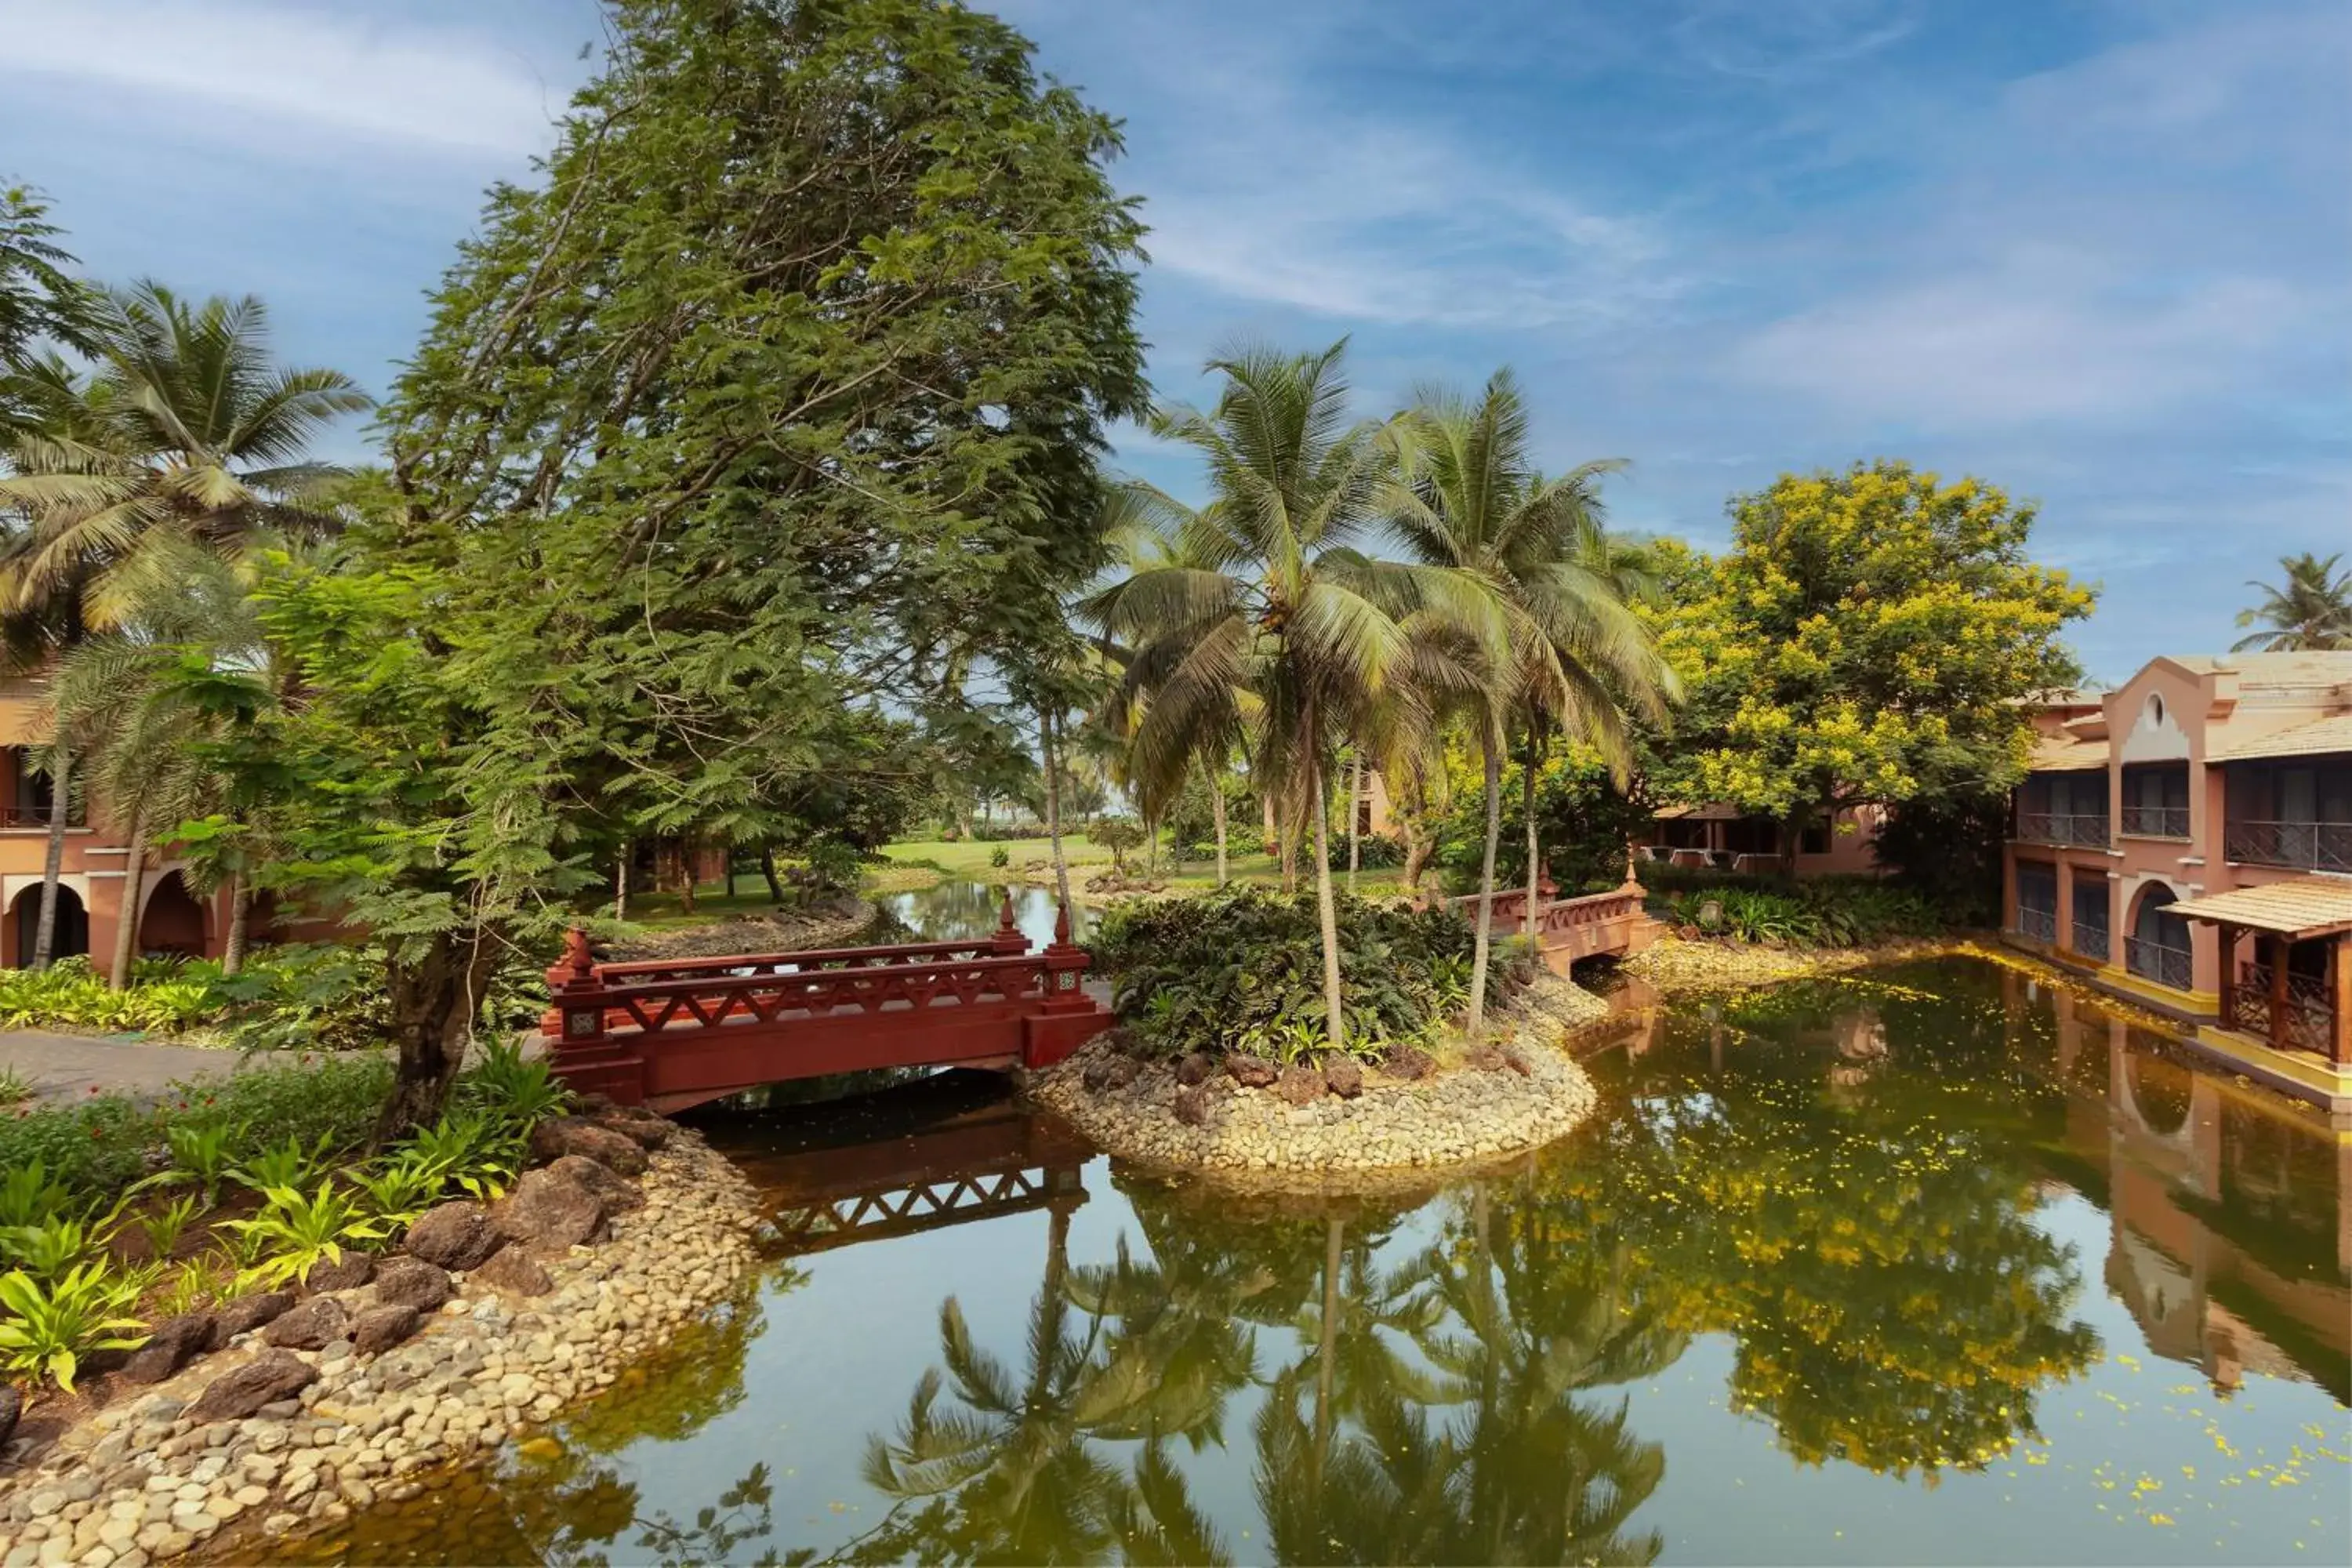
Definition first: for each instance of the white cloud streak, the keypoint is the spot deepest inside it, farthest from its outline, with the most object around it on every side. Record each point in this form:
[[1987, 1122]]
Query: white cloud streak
[[342, 74]]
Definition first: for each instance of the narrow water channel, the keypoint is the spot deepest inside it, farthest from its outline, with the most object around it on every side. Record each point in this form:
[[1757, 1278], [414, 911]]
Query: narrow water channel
[[1929, 1264]]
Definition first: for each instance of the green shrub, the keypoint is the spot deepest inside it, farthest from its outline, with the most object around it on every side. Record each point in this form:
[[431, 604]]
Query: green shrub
[[1000, 856], [46, 1328], [1829, 911], [1375, 852], [296, 1230], [1243, 971]]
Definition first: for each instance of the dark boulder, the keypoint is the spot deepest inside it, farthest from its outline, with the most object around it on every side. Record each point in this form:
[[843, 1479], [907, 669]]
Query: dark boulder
[[1300, 1084], [169, 1346], [379, 1329], [457, 1236], [1343, 1077], [561, 1135], [12, 1407], [1195, 1068], [1407, 1062], [270, 1377], [545, 1209], [413, 1282], [1517, 1062], [515, 1272], [1251, 1072], [1191, 1106], [1485, 1058], [314, 1325], [614, 1191], [354, 1270], [247, 1313], [646, 1132]]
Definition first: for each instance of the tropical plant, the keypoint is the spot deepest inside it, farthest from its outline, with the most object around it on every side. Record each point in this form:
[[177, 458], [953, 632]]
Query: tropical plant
[[2309, 610], [1272, 621], [515, 1092], [30, 1195], [50, 1247], [165, 1225], [468, 1147], [14, 1087], [192, 1284], [47, 1327], [282, 1165], [200, 1153], [38, 298], [1118, 835], [399, 1189], [1467, 498], [295, 1230]]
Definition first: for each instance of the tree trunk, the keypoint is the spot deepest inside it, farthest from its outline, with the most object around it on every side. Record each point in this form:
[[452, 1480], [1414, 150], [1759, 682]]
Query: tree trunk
[[126, 925], [1355, 823], [45, 935], [621, 880], [1335, 1015], [768, 872], [432, 999], [686, 870], [1534, 842], [240, 907], [730, 873], [1485, 944], [1217, 811], [1053, 817], [1327, 1350]]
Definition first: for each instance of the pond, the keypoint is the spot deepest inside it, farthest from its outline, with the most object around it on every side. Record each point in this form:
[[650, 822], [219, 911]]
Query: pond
[[1926, 1264], [959, 910]]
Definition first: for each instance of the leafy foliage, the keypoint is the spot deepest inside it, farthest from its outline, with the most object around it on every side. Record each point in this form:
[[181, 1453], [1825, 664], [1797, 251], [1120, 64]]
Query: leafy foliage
[[1583, 820], [2311, 608], [1239, 971], [296, 1229], [1821, 913], [47, 1328]]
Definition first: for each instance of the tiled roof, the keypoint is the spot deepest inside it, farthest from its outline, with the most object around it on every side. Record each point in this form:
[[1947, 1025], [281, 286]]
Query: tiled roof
[[2305, 905], [2333, 733], [2317, 668], [2067, 753]]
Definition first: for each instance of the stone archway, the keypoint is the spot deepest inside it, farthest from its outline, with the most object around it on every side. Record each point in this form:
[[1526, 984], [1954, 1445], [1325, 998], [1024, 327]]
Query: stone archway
[[172, 921], [70, 937], [2158, 947]]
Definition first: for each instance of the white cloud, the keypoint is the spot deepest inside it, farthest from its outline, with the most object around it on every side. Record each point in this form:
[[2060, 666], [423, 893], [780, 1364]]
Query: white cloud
[[341, 73]]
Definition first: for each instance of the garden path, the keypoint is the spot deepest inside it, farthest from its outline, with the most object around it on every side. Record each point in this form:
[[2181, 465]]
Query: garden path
[[69, 1067]]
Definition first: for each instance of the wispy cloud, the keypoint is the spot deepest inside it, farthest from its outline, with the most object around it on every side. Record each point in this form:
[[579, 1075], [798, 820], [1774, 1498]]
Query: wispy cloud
[[233, 65]]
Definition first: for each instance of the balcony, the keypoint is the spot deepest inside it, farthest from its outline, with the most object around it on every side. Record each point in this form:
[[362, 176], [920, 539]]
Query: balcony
[[2041, 925], [2310, 1021], [2089, 941], [2155, 821], [23, 818], [2088, 828], [2302, 846], [2159, 962]]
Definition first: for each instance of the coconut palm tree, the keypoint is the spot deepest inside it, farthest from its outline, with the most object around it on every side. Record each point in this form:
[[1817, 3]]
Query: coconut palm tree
[[184, 437], [2310, 611], [1275, 599], [1466, 498]]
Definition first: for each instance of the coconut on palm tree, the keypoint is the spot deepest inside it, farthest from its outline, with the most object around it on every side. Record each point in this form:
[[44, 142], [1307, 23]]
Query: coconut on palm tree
[[1466, 499], [2309, 611], [185, 437], [1274, 598]]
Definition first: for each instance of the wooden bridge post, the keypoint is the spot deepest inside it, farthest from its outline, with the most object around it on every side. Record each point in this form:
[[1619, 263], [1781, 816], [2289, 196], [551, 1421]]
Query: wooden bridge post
[[580, 1048], [1009, 939], [1067, 1017]]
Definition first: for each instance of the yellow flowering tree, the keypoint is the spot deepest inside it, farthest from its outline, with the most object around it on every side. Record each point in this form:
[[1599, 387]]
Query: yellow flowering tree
[[1866, 640]]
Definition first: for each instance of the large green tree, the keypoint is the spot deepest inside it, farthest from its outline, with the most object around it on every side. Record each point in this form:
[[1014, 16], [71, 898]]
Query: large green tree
[[778, 397], [2310, 609], [39, 296], [1868, 638]]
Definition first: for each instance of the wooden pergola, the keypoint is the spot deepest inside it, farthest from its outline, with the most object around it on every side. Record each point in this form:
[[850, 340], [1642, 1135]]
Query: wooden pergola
[[2269, 1000]]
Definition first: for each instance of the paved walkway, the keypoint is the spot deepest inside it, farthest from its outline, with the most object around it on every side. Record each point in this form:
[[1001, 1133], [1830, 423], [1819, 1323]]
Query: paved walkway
[[67, 1067]]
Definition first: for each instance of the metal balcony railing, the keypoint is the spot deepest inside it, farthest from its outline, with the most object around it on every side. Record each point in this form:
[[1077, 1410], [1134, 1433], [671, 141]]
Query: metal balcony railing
[[23, 817], [2041, 925], [2310, 1017], [2064, 827], [2164, 964], [2156, 821], [2307, 846], [2090, 942]]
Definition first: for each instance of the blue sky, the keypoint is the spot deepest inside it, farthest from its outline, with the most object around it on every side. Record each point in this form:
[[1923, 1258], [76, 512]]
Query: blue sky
[[2096, 251]]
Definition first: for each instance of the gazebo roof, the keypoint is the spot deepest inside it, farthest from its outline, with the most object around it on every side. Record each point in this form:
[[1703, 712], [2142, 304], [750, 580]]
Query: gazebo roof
[[2306, 906]]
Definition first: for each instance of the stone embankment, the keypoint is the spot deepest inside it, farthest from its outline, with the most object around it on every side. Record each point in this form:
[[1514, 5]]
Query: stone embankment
[[382, 1370], [838, 922], [1674, 963], [1344, 1124]]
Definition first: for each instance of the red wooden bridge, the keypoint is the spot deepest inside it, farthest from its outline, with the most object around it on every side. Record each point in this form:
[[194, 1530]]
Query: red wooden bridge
[[670, 1033], [1606, 924]]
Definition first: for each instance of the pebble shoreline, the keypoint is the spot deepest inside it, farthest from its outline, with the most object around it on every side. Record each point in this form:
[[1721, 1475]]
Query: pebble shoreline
[[1531, 1092], [141, 1481]]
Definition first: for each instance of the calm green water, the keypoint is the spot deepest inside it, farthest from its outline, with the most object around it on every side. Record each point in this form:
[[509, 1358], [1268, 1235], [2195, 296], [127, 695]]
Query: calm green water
[[1925, 1265]]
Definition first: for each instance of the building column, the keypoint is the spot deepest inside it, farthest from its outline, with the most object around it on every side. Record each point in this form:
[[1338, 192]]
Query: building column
[[2228, 989], [2062, 939], [2340, 996], [2279, 946]]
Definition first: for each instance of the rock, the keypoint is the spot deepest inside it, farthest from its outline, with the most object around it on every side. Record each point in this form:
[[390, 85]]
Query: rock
[[1195, 1068], [169, 1346], [1408, 1062], [561, 1135], [1299, 1084], [308, 1327], [646, 1132], [379, 1329], [355, 1269], [12, 1406], [614, 1191], [548, 1210], [1251, 1072], [1485, 1058], [1343, 1077], [1191, 1106], [461, 1235], [271, 1377], [413, 1282], [247, 1313], [1515, 1062], [515, 1272], [1108, 1071]]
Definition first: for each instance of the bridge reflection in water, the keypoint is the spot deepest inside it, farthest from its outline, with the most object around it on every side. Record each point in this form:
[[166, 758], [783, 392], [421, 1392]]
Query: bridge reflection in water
[[947, 1151]]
